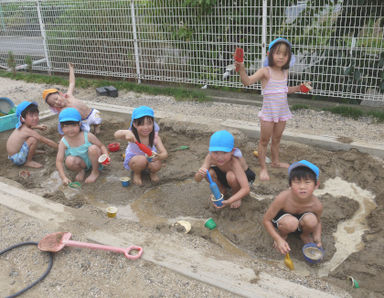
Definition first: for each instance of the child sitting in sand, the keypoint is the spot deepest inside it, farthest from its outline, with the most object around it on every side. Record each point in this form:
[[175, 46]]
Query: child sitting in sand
[[227, 168], [296, 209], [22, 143], [143, 129], [59, 101], [80, 149]]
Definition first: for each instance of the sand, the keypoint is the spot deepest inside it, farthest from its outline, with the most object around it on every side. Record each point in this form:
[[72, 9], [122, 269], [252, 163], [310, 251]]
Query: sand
[[350, 190]]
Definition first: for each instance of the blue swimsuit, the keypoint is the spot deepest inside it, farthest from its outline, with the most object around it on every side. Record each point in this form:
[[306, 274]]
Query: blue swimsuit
[[81, 151]]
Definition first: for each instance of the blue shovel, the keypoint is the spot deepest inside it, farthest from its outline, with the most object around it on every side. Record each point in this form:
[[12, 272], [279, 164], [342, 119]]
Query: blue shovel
[[215, 191]]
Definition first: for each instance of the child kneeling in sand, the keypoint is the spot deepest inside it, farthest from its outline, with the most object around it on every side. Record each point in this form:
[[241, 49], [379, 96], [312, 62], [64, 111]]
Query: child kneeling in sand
[[296, 209], [143, 129], [22, 143], [227, 168], [59, 101], [80, 149]]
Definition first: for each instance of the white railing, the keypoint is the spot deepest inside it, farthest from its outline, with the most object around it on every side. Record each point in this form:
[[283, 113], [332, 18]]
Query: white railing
[[338, 44]]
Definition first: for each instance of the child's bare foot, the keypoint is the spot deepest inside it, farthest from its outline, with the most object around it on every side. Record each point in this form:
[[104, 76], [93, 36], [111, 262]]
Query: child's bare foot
[[80, 175], [137, 179], [236, 204], [33, 164], [280, 165], [154, 178], [92, 178], [264, 175], [306, 238]]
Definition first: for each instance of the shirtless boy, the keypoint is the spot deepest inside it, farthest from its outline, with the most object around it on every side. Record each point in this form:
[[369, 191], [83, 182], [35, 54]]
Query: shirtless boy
[[59, 101], [296, 209], [225, 169], [22, 143]]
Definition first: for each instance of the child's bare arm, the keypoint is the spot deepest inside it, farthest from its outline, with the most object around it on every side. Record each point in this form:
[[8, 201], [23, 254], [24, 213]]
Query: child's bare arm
[[94, 140], [161, 151], [249, 80], [60, 163], [274, 208], [40, 126], [125, 134], [72, 80], [202, 172], [42, 139]]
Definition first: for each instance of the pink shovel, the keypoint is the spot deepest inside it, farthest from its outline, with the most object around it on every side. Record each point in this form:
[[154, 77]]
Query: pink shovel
[[56, 242]]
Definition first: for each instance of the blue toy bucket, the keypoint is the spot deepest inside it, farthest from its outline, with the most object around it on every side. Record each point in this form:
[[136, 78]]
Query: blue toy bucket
[[8, 117], [6, 106]]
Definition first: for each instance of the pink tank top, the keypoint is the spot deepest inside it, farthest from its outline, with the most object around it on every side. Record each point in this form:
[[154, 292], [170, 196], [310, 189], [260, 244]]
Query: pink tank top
[[275, 104]]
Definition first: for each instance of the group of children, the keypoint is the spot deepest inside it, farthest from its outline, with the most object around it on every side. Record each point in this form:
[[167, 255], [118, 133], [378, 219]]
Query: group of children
[[295, 209]]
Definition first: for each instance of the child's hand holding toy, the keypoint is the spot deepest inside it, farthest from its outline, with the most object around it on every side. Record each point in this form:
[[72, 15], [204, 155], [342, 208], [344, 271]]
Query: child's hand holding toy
[[239, 57], [305, 87], [129, 136]]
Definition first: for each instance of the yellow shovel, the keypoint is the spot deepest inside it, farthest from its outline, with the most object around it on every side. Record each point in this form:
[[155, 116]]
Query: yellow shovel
[[288, 262]]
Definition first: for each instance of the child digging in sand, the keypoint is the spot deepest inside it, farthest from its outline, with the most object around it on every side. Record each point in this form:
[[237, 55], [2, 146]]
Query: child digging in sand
[[59, 101], [143, 129], [296, 209], [80, 149], [22, 143], [227, 168]]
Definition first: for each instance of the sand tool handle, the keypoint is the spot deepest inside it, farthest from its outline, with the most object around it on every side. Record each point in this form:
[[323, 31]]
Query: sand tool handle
[[209, 177], [214, 188], [144, 148], [125, 251]]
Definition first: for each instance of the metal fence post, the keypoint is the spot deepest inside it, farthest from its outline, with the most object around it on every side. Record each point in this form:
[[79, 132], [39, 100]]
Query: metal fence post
[[264, 32], [43, 35], [136, 47]]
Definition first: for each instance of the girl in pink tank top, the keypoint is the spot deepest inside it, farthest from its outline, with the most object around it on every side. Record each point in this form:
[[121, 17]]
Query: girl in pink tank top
[[275, 110]]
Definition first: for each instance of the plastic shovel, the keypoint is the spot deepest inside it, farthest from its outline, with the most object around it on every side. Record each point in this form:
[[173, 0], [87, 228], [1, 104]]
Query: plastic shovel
[[288, 262], [56, 242], [144, 148], [239, 56]]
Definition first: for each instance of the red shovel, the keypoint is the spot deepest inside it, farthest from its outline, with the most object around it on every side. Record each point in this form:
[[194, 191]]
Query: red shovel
[[239, 56], [144, 148], [56, 242]]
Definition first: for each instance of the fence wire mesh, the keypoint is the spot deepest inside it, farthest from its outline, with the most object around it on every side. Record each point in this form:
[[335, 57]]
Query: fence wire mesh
[[338, 44]]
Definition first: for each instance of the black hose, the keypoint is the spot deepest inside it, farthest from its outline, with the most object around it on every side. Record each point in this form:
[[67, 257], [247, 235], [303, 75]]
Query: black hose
[[41, 278]]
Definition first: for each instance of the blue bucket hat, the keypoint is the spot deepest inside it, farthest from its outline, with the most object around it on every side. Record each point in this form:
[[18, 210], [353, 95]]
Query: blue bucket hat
[[307, 164], [274, 42], [141, 112], [20, 108], [221, 141], [69, 114]]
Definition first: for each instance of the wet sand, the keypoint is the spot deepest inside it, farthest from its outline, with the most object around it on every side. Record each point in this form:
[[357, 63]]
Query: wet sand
[[350, 191]]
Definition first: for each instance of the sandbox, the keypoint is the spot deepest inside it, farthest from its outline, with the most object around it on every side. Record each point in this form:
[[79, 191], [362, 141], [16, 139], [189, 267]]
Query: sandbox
[[349, 190]]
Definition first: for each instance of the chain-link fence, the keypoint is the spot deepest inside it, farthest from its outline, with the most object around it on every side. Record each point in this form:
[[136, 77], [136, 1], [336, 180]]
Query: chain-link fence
[[339, 44]]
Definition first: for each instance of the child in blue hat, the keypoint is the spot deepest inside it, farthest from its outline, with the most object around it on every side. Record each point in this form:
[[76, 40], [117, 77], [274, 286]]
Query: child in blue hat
[[79, 150], [227, 168], [275, 110], [22, 143], [296, 209], [144, 130]]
